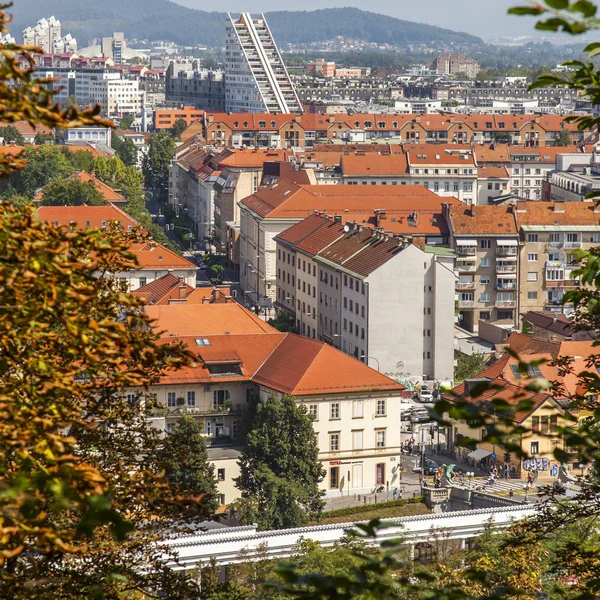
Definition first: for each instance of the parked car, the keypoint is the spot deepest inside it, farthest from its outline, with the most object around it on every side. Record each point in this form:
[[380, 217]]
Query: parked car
[[425, 394], [420, 416], [405, 413]]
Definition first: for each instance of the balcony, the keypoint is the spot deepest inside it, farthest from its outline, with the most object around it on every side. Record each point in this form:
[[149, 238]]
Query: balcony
[[555, 245], [466, 267], [466, 304], [504, 285], [561, 283], [466, 250], [509, 268], [508, 252], [505, 304], [572, 245], [465, 285]]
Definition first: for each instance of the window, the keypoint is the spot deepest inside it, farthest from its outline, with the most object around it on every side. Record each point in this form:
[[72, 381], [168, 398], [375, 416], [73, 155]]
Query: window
[[334, 442], [357, 409], [191, 398], [535, 423], [357, 440], [485, 262], [335, 410], [171, 400], [532, 237], [484, 315], [313, 411], [532, 257], [208, 427], [532, 276], [535, 448], [554, 238], [380, 438], [531, 295], [545, 424], [380, 473], [485, 244], [249, 395], [485, 297], [142, 281], [553, 423], [484, 279], [220, 474], [381, 408], [334, 477]]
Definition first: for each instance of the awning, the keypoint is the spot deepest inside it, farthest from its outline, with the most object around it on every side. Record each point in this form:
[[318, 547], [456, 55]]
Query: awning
[[506, 276], [507, 242], [479, 454], [466, 242]]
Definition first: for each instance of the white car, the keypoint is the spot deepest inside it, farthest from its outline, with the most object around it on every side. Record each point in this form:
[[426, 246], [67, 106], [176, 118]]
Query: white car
[[425, 394]]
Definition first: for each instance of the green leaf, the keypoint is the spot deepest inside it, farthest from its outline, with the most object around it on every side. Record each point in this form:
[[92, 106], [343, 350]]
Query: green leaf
[[586, 8], [558, 4], [526, 10]]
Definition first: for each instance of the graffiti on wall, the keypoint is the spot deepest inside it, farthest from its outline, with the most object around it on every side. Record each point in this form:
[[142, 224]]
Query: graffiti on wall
[[536, 464]]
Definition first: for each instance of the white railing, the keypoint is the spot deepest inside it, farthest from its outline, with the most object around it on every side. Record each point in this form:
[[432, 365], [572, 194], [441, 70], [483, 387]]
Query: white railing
[[466, 304], [465, 285], [225, 546], [512, 268], [505, 304]]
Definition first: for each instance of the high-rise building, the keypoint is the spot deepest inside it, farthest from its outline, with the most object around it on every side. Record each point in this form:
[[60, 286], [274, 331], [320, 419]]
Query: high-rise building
[[256, 79]]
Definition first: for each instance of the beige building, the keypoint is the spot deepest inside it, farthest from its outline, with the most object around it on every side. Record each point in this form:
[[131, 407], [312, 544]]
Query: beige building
[[355, 409], [486, 241], [550, 232]]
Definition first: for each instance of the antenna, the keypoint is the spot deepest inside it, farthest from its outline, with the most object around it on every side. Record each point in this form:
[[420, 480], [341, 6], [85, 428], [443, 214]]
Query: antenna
[[346, 229]]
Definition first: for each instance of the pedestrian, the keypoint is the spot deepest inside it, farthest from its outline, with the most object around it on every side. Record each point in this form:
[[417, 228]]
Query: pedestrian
[[401, 493], [395, 494], [511, 494]]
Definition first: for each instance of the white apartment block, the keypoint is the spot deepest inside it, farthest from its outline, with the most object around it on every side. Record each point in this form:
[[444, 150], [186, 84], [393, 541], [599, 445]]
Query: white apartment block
[[256, 79], [117, 96], [361, 289]]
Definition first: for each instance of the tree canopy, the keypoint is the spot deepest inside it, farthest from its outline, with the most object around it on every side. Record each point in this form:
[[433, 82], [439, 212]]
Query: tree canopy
[[280, 468], [71, 192], [155, 166], [11, 134]]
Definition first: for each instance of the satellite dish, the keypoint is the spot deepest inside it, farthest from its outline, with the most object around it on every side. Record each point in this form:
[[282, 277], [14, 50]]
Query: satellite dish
[[346, 229]]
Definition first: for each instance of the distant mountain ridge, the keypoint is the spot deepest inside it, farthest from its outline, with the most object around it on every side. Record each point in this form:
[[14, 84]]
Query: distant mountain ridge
[[165, 20]]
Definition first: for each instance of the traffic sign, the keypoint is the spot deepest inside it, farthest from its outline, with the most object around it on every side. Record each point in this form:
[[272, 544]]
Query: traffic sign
[[493, 457]]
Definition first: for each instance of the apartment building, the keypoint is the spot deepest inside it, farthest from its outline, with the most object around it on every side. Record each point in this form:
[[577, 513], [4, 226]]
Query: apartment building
[[164, 118], [493, 183], [256, 79], [267, 129], [550, 232], [575, 176], [412, 211], [359, 290], [355, 409], [117, 97], [455, 64], [486, 242], [187, 83]]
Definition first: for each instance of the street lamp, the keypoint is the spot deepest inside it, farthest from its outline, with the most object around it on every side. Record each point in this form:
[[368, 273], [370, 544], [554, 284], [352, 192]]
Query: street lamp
[[375, 359], [526, 488], [470, 476], [343, 337]]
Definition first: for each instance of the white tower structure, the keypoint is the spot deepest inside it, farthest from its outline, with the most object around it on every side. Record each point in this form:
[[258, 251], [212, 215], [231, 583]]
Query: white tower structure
[[256, 79]]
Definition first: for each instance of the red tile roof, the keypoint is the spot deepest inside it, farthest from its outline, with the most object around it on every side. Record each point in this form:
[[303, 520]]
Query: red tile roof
[[151, 255], [301, 366], [483, 220], [312, 234], [492, 173], [439, 154], [86, 216], [563, 213], [372, 165]]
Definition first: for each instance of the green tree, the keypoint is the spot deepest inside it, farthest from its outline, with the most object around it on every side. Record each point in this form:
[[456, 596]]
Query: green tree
[[71, 192], [178, 128], [43, 165], [280, 468], [11, 134], [125, 149], [126, 121], [80, 160], [71, 101], [468, 365], [155, 166], [44, 138], [564, 138], [184, 459]]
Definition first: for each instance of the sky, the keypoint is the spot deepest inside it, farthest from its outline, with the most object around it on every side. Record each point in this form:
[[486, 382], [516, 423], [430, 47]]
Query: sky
[[484, 18]]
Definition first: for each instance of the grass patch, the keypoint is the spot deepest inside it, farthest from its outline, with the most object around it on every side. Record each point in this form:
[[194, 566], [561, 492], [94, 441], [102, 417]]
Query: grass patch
[[383, 510]]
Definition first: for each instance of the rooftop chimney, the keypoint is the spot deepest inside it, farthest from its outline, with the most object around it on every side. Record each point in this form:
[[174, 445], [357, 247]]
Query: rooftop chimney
[[559, 207], [182, 292], [337, 218]]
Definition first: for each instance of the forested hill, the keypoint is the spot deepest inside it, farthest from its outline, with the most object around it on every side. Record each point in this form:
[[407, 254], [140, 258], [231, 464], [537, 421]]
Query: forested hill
[[164, 20]]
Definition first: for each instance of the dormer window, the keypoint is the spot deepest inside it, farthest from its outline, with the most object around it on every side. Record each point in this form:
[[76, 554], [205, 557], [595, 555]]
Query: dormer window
[[395, 124], [245, 123], [381, 124], [262, 124], [368, 124], [236, 124], [273, 124]]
